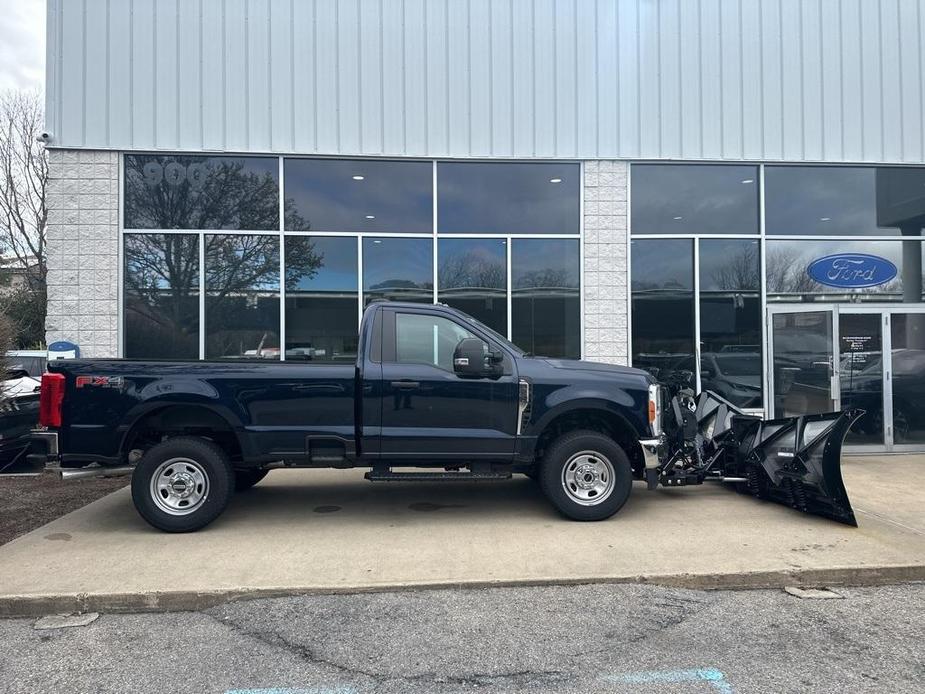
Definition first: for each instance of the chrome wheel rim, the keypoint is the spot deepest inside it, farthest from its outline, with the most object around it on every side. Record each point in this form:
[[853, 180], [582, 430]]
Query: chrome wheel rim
[[179, 486], [588, 478]]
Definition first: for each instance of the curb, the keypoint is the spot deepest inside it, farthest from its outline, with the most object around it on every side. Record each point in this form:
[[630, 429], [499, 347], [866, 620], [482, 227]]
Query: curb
[[185, 601]]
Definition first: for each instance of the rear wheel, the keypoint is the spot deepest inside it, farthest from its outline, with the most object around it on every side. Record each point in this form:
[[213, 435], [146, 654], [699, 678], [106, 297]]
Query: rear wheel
[[586, 476], [182, 484], [245, 479]]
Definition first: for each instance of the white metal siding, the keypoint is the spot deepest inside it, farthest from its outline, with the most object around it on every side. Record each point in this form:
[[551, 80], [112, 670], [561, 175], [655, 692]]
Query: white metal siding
[[826, 80]]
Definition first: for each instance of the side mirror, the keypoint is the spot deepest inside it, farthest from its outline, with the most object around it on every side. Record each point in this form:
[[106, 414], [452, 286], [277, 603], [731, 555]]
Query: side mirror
[[469, 357]]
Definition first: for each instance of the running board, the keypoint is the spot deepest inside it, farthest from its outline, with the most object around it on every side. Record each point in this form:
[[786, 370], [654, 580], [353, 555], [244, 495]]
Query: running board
[[389, 476]]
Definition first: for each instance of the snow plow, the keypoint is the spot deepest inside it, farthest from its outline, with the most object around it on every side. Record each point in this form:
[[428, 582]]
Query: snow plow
[[795, 461]]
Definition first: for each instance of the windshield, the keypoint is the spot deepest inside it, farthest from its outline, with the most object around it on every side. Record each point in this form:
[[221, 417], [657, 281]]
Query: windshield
[[493, 333]]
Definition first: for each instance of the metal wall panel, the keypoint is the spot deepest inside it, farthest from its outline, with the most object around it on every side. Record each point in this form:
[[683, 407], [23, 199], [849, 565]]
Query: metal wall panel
[[815, 80]]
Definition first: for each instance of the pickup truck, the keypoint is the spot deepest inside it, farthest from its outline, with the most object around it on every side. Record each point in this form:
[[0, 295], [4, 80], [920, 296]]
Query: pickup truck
[[431, 388]]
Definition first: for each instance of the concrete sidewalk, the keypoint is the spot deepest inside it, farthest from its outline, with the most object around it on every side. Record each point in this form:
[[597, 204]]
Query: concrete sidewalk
[[303, 531]]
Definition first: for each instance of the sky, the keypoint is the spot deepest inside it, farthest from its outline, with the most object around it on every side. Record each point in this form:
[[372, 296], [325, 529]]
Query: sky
[[22, 44]]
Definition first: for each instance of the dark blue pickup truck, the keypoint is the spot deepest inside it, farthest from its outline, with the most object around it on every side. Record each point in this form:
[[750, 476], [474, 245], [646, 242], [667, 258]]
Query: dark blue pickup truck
[[432, 388]]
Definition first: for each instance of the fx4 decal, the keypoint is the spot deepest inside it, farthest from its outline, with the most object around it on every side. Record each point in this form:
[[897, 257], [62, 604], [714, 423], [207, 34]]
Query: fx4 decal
[[100, 381]]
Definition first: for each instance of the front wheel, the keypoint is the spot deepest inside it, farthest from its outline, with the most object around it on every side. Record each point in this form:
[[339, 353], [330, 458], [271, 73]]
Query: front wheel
[[586, 476], [182, 484]]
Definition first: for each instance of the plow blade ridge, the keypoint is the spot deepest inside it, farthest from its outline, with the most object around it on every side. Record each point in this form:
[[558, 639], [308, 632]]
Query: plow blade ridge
[[795, 461]]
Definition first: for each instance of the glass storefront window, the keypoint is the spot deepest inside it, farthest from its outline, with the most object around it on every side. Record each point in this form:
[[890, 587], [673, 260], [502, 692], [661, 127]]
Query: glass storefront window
[[398, 269], [694, 199], [161, 296], [321, 298], [508, 198], [472, 277], [545, 297], [359, 195], [242, 296], [730, 320], [790, 279], [663, 309], [844, 200], [165, 191]]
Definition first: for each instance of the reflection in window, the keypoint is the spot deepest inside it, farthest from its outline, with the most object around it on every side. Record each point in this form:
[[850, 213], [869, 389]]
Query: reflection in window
[[788, 279], [694, 199], [321, 298], [242, 296], [398, 269], [508, 198], [472, 275], [161, 296], [421, 339], [359, 195], [200, 192], [663, 309], [730, 320], [545, 304], [844, 201]]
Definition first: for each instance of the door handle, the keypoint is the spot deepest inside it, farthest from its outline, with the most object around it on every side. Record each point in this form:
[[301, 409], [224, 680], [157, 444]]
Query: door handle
[[404, 385]]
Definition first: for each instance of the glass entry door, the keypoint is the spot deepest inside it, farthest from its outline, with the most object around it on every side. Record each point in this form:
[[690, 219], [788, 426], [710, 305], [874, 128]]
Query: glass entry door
[[824, 358], [804, 371], [861, 375]]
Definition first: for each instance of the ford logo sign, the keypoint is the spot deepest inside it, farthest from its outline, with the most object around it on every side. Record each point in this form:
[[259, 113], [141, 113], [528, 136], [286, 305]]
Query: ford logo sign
[[852, 270]]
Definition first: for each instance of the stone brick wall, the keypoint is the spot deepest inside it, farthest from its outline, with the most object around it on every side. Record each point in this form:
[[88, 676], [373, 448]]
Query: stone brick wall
[[605, 261], [83, 250]]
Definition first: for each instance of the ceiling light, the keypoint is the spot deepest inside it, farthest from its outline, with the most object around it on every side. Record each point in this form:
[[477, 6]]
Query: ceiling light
[[825, 219], [377, 241], [370, 216], [358, 177], [677, 218], [555, 180], [748, 180]]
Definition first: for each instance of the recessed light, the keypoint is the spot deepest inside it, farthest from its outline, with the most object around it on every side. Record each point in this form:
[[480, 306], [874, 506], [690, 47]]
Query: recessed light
[[376, 241], [358, 177], [370, 216], [748, 180], [825, 219], [555, 180], [677, 218]]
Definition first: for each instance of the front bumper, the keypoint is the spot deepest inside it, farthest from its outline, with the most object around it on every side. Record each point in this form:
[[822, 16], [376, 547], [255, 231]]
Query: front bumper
[[650, 451]]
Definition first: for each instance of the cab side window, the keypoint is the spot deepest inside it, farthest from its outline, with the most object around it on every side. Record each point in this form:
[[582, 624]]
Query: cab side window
[[422, 339]]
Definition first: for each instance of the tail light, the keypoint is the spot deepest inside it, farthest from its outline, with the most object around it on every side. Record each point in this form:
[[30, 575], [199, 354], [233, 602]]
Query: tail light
[[51, 398]]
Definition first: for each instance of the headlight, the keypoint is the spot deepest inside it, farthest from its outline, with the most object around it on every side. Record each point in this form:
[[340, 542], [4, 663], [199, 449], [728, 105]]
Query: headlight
[[655, 409]]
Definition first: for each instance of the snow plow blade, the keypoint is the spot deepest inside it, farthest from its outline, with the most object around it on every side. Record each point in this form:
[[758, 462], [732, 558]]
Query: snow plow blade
[[795, 461]]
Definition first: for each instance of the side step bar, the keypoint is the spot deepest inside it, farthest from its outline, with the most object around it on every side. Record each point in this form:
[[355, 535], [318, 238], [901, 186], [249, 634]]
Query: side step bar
[[389, 476], [88, 472]]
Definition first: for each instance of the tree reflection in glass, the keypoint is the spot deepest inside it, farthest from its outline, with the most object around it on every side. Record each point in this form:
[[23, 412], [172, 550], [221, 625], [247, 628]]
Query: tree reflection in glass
[[242, 296], [473, 278], [161, 296]]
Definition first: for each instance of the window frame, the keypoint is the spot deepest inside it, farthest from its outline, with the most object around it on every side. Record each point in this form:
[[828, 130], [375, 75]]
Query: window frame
[[359, 237]]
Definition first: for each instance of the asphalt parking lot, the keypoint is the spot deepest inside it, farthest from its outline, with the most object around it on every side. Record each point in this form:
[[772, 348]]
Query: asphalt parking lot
[[317, 531], [590, 638]]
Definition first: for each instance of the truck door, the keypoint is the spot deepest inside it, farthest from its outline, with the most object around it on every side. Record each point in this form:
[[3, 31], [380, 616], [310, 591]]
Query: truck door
[[429, 413]]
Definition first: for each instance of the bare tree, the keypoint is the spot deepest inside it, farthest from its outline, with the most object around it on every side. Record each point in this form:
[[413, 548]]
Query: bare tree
[[23, 216], [23, 184]]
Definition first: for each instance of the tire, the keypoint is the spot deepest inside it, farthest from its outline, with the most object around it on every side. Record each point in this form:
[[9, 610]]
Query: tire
[[182, 484], [245, 479], [601, 490]]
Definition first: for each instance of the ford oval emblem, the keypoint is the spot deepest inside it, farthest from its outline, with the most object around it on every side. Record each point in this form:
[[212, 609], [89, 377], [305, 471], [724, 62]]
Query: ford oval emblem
[[852, 270]]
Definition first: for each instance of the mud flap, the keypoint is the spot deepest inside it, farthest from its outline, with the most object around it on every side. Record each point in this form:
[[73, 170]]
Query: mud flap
[[795, 461]]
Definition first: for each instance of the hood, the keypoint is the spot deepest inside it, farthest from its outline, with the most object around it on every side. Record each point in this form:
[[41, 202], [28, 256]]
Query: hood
[[600, 367]]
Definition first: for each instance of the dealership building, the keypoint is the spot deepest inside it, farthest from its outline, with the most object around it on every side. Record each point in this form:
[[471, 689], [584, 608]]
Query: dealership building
[[729, 194]]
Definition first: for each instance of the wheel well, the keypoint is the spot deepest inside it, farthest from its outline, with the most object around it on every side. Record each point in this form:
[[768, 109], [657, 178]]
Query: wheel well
[[181, 420], [602, 421]]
